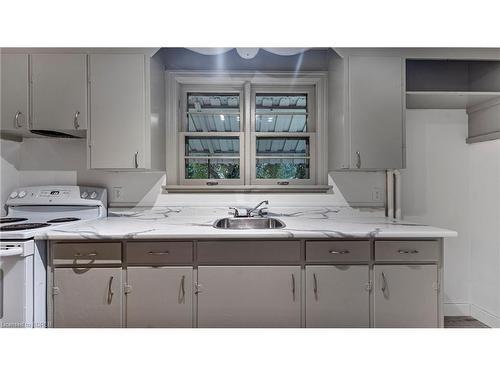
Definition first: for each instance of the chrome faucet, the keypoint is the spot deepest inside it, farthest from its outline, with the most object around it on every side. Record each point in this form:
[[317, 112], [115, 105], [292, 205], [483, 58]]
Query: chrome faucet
[[248, 211]]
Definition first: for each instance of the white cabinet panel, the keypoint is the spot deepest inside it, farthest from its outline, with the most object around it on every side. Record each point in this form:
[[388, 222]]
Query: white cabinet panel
[[87, 298], [59, 91], [159, 297], [337, 296], [405, 296], [249, 296], [118, 111], [376, 112], [15, 91]]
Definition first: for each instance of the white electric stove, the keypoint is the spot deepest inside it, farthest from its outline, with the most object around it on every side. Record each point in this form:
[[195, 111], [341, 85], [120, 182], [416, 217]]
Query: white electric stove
[[31, 211]]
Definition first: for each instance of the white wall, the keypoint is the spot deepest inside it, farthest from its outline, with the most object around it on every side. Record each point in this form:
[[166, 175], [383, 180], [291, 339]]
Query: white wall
[[435, 191], [454, 185], [9, 174]]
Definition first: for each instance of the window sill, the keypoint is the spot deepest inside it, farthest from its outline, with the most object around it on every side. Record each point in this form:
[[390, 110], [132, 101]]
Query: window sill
[[169, 189]]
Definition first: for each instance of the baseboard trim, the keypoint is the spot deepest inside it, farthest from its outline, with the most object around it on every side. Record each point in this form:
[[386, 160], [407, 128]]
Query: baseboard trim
[[484, 316], [456, 309]]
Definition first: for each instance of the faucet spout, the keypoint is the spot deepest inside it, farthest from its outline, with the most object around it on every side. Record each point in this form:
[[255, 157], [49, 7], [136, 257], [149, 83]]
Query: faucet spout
[[249, 212]]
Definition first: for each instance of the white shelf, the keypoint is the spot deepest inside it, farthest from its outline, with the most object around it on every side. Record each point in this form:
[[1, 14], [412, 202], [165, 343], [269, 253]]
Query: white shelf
[[447, 99]]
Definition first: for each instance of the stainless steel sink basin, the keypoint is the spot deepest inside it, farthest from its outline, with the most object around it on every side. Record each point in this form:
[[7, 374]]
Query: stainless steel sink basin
[[249, 223]]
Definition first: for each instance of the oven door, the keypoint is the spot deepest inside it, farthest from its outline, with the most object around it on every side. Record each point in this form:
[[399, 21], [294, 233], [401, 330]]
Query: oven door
[[16, 284]]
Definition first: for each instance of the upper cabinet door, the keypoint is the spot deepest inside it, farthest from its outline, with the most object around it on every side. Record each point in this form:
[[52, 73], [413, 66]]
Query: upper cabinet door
[[59, 91], [118, 115], [376, 112], [15, 91]]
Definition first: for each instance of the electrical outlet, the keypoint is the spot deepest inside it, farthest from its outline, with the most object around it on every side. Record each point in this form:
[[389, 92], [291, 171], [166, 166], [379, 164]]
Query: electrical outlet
[[377, 195], [117, 193]]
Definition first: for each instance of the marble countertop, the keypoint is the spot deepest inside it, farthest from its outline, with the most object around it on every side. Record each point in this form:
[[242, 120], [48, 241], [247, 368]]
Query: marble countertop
[[196, 223]]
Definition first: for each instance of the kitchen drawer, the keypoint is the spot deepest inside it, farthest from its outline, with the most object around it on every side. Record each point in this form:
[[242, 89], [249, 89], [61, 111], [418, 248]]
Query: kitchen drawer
[[86, 253], [407, 251], [337, 251], [159, 253], [248, 252]]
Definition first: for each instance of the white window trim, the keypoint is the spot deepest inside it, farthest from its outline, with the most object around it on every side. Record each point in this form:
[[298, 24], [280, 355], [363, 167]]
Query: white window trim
[[175, 80]]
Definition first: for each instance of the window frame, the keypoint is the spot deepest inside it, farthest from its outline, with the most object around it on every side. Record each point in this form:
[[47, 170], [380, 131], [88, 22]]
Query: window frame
[[254, 134], [314, 84]]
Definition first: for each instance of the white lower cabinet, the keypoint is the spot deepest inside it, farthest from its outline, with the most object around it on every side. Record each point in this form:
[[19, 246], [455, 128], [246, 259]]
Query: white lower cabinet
[[87, 298], [249, 296], [406, 296], [337, 296], [159, 297]]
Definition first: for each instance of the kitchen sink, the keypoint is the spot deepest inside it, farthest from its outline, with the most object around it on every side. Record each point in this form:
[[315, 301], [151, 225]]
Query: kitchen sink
[[249, 223]]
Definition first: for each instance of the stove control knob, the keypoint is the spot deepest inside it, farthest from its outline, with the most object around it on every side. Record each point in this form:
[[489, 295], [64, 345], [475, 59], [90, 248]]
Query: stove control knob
[[13, 195], [85, 195], [93, 195], [22, 194]]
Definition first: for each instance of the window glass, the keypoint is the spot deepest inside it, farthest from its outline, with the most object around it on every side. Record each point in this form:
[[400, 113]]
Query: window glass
[[213, 112], [285, 113]]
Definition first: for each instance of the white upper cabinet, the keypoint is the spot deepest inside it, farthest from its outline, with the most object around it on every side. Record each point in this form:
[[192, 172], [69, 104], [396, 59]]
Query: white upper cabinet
[[59, 91], [15, 91], [366, 113], [125, 119]]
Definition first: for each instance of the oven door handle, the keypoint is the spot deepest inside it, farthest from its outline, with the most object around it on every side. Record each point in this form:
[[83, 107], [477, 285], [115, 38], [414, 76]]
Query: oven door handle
[[10, 251]]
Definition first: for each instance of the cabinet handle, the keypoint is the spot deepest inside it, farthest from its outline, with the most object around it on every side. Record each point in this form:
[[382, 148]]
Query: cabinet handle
[[75, 120], [384, 285], [110, 292], [16, 119], [183, 289], [339, 251], [293, 286], [136, 159], [78, 255], [315, 286], [358, 160], [408, 251], [159, 252]]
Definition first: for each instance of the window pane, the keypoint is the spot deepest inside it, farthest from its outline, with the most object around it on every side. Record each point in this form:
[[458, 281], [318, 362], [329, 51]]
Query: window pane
[[294, 103], [281, 123], [291, 146], [220, 122], [282, 169], [210, 101], [212, 146], [212, 169], [213, 112]]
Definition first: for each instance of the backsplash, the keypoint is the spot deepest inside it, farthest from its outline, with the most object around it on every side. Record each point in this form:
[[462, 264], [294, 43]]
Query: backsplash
[[63, 161]]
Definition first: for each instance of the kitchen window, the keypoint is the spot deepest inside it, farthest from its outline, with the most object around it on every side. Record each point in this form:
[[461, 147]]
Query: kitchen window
[[237, 132]]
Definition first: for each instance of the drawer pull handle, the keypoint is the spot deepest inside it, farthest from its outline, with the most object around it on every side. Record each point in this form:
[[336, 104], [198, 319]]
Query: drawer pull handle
[[182, 290], [110, 292], [293, 286], [339, 251], [384, 286], [159, 252], [79, 255], [408, 251], [315, 286]]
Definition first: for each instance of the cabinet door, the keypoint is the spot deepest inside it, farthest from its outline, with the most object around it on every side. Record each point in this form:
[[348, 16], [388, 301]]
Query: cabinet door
[[376, 112], [59, 84], [117, 120], [337, 296], [15, 91], [249, 296], [159, 297], [87, 298], [405, 296]]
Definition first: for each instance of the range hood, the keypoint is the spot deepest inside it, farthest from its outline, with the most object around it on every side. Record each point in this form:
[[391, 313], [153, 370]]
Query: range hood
[[18, 135]]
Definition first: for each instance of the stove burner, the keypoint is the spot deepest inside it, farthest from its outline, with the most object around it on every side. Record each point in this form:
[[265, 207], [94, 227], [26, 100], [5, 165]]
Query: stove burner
[[13, 227], [63, 220], [4, 220]]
